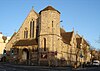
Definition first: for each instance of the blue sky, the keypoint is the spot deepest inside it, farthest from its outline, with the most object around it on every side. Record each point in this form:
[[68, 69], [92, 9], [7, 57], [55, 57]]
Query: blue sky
[[82, 15]]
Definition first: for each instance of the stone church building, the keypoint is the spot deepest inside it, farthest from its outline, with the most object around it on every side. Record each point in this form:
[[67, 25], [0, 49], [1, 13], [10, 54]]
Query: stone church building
[[41, 41]]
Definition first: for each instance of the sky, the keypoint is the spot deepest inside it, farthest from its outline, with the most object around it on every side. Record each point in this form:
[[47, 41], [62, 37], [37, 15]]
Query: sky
[[82, 15]]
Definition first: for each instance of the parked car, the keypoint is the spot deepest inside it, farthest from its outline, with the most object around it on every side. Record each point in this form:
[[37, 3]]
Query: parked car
[[96, 63]]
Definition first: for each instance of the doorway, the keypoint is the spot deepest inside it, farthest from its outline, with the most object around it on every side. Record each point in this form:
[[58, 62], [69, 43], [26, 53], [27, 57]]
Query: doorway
[[25, 54]]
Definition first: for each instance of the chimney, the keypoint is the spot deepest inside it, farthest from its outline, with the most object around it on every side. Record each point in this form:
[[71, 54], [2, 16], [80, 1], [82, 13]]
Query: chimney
[[0, 32]]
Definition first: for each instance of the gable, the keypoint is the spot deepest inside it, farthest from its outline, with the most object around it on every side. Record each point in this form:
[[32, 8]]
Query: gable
[[32, 16]]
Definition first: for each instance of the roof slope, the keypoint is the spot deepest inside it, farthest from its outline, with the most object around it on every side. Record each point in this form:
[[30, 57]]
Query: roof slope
[[66, 37], [49, 8], [79, 40], [62, 30], [25, 42]]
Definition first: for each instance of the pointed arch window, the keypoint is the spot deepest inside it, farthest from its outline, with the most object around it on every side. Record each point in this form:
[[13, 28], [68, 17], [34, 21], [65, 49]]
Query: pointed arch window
[[44, 44], [25, 34], [52, 23], [32, 29]]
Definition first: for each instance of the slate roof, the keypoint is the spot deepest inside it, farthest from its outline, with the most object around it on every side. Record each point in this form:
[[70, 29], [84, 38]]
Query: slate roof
[[62, 30], [86, 42], [66, 37], [79, 40], [26, 42], [49, 8]]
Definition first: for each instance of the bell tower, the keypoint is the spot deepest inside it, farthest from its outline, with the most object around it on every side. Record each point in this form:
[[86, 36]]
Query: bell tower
[[49, 34]]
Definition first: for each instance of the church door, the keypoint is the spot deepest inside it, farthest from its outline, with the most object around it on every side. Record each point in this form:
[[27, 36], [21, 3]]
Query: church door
[[25, 54]]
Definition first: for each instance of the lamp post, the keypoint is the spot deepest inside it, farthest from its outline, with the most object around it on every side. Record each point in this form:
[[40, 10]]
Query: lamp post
[[57, 44], [53, 33], [53, 43]]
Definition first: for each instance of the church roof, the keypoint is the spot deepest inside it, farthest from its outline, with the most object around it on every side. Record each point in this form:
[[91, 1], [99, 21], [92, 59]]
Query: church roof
[[49, 8], [86, 42], [62, 30], [79, 40], [66, 37], [25, 42]]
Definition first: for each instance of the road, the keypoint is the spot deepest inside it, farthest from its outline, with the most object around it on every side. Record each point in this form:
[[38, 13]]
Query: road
[[88, 69], [4, 67], [11, 67]]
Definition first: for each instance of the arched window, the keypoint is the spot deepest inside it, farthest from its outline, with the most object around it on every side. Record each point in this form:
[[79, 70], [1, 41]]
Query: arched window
[[32, 29], [25, 34], [52, 23], [44, 44]]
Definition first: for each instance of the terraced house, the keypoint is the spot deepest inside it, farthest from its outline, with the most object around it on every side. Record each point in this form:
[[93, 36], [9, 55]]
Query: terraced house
[[41, 41]]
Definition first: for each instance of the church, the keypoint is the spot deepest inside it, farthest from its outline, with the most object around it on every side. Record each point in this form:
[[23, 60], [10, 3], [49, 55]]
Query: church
[[41, 41]]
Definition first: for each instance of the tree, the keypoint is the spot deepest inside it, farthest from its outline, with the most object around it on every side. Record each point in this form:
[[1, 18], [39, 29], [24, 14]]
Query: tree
[[98, 41], [99, 55]]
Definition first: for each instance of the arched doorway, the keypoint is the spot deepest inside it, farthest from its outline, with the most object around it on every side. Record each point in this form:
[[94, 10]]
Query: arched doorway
[[25, 54]]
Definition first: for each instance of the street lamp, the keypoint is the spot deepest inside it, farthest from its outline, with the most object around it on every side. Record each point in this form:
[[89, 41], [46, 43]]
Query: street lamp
[[53, 45]]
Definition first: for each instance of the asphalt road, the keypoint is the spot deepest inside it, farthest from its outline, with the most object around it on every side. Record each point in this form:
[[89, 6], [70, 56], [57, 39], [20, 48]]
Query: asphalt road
[[4, 67], [88, 69], [11, 67]]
